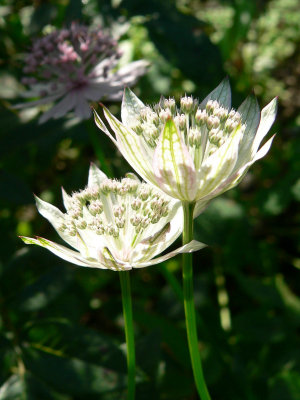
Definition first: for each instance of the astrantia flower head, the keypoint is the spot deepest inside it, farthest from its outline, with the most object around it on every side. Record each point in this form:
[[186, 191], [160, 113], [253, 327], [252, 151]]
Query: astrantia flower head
[[193, 152], [117, 225], [74, 66]]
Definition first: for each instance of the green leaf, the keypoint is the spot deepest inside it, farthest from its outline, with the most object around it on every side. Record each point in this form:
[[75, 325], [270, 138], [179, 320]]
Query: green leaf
[[36, 389], [148, 352], [43, 14], [275, 201], [61, 373], [43, 291], [172, 337], [258, 326], [181, 39], [296, 190], [219, 217], [27, 387], [289, 299], [86, 344], [14, 190], [73, 11], [286, 386], [175, 385]]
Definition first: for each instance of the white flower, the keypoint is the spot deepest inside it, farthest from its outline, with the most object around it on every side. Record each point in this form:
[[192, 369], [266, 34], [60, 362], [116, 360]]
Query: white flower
[[117, 225], [71, 67], [192, 152]]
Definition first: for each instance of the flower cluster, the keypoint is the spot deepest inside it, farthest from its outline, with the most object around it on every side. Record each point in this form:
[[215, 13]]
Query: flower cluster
[[214, 124], [75, 65], [113, 224], [193, 151], [86, 210]]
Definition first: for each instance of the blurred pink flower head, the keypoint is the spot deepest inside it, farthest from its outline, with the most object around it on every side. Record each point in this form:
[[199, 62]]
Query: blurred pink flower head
[[70, 67]]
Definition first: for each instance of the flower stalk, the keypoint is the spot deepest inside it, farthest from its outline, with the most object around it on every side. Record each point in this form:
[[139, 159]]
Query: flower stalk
[[129, 333], [189, 304]]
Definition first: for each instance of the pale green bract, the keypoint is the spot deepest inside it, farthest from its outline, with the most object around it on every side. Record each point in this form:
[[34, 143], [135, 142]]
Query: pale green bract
[[117, 225], [193, 152]]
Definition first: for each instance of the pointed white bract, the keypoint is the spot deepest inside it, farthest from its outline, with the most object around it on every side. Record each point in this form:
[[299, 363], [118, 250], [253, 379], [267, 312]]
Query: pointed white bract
[[193, 152], [72, 67], [117, 225]]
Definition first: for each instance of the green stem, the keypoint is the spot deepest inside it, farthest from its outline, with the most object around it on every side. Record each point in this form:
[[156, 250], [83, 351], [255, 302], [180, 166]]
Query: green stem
[[189, 304], [95, 140], [129, 334]]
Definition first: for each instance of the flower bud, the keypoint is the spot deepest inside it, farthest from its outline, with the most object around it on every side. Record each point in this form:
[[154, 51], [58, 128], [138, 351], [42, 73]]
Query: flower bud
[[62, 227], [180, 121], [145, 112], [166, 114], [111, 230], [71, 228], [237, 117], [144, 192], [145, 222], [100, 230], [95, 207], [151, 142], [200, 117], [150, 131], [136, 220], [155, 218], [92, 192], [211, 105], [153, 118], [212, 122], [215, 136], [136, 127], [75, 212], [230, 125], [119, 211], [196, 137], [81, 223], [221, 113], [120, 222], [170, 103], [136, 204], [165, 211], [127, 185], [187, 104]]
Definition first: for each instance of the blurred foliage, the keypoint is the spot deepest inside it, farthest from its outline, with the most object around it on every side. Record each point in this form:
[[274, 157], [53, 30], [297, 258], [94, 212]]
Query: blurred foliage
[[61, 327]]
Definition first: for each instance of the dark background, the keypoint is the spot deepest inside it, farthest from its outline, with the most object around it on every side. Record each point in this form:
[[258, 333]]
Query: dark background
[[61, 327]]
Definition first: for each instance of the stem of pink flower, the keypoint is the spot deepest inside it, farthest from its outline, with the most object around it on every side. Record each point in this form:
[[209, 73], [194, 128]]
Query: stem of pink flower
[[189, 304]]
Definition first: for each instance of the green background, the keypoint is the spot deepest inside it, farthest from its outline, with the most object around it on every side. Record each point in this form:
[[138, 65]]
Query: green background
[[61, 327]]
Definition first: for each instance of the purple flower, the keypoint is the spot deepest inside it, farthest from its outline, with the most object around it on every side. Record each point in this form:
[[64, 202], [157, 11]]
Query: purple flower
[[70, 67]]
